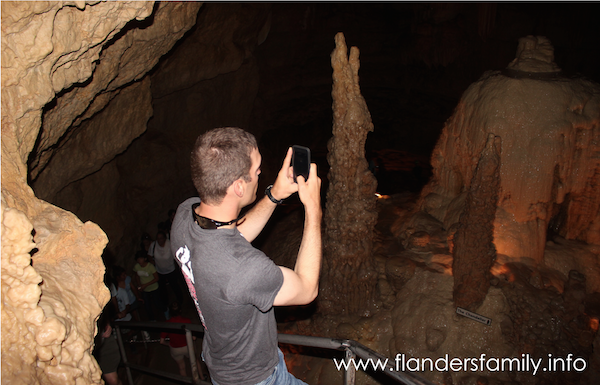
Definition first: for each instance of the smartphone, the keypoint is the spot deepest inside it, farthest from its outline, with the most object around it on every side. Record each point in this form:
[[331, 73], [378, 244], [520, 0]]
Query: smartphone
[[301, 161]]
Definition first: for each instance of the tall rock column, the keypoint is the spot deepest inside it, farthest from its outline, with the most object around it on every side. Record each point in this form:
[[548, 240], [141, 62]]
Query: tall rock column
[[474, 251], [350, 216]]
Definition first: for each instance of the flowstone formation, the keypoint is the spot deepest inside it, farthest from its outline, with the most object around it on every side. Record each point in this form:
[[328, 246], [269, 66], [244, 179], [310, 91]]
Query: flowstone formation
[[52, 273], [507, 227], [349, 278], [549, 128]]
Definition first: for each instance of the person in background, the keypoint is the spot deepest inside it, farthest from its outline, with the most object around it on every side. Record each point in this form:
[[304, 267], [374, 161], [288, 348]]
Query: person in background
[[121, 297], [164, 262], [145, 242], [178, 342], [106, 349], [146, 281], [125, 301]]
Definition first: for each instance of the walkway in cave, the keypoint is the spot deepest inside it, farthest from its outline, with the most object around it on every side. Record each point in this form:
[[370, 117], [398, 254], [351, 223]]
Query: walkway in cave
[[156, 356], [152, 355]]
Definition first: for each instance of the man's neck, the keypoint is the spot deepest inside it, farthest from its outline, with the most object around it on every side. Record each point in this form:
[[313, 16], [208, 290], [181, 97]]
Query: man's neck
[[221, 213]]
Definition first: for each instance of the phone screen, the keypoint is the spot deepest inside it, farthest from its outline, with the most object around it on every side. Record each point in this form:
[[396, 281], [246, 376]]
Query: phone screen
[[301, 161]]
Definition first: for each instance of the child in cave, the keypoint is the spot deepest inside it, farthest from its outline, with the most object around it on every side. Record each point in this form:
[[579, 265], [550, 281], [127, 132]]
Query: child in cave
[[146, 280]]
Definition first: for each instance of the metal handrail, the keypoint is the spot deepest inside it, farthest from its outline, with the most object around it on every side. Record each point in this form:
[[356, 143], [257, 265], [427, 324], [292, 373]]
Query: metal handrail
[[351, 348], [357, 350], [187, 328]]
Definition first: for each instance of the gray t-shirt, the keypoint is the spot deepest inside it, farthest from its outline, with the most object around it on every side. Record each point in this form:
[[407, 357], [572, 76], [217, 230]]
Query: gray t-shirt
[[235, 286]]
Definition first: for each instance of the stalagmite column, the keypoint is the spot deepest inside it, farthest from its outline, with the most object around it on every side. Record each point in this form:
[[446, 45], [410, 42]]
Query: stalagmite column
[[349, 280], [474, 250]]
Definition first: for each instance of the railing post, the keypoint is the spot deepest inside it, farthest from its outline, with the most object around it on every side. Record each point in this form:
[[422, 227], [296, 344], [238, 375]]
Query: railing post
[[350, 372], [192, 354], [123, 354]]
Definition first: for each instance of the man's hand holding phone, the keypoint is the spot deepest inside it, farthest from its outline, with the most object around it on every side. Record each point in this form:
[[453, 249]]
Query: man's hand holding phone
[[309, 183], [300, 162], [292, 177], [284, 185]]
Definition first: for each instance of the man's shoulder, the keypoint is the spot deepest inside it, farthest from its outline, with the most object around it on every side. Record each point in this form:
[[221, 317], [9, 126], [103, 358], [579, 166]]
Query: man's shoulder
[[182, 220], [185, 206]]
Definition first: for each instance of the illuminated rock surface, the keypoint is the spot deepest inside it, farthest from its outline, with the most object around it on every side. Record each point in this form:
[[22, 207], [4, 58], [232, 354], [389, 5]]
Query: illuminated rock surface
[[549, 169], [47, 47], [350, 214], [545, 225]]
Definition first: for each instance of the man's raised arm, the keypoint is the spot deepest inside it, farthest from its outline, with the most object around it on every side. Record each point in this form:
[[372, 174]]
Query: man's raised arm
[[301, 285]]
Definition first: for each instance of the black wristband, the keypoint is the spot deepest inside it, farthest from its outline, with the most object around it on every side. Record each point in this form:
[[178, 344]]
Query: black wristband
[[271, 197]]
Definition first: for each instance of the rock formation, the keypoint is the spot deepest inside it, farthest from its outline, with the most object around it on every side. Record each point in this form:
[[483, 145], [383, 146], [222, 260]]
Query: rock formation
[[91, 73], [142, 140], [515, 162], [350, 214], [50, 49], [549, 127], [474, 252]]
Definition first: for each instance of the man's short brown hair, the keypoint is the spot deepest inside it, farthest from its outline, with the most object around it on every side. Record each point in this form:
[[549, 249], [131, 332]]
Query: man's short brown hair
[[220, 157]]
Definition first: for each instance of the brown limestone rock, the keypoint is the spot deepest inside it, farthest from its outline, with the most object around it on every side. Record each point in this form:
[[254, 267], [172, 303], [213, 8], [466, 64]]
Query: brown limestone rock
[[474, 251], [48, 329], [125, 60], [47, 47], [20, 296], [549, 129], [98, 140], [350, 214]]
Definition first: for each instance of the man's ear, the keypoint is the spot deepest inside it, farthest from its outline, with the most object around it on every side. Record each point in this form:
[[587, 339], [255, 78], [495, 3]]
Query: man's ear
[[239, 188]]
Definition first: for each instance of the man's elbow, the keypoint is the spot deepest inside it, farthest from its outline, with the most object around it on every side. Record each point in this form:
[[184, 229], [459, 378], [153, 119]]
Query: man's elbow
[[312, 295]]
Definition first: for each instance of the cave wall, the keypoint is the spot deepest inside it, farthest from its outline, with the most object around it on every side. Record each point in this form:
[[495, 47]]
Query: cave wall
[[411, 77], [183, 97], [52, 273]]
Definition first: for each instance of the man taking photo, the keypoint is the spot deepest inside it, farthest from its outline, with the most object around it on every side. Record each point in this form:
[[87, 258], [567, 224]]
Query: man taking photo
[[233, 284]]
